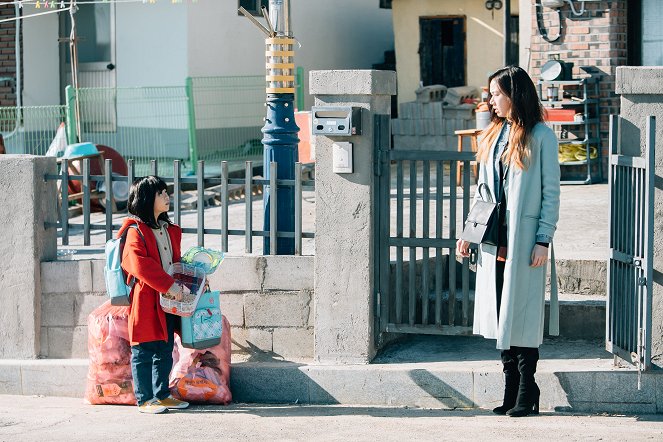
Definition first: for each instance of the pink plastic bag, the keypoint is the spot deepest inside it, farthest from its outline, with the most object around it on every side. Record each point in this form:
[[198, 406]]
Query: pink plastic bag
[[109, 379], [108, 335], [203, 376]]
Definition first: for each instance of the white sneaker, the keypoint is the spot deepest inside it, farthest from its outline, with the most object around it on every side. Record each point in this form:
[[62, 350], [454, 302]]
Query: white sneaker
[[152, 407]]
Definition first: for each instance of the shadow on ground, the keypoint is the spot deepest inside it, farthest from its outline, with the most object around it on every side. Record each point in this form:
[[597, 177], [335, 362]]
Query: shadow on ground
[[423, 349]]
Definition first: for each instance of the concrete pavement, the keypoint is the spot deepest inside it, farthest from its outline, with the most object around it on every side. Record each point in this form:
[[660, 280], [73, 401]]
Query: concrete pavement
[[33, 418], [442, 372]]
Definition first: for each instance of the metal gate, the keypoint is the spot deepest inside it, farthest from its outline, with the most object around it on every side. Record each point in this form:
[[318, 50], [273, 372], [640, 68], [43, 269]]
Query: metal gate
[[630, 267], [417, 206]]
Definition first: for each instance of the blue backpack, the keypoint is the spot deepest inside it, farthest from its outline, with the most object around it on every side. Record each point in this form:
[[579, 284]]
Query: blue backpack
[[116, 278]]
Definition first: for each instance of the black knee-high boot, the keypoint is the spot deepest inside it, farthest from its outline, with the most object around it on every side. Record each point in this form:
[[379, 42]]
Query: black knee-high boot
[[528, 392], [511, 381]]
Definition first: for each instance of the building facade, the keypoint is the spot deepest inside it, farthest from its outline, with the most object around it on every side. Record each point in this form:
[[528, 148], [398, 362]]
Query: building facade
[[161, 43]]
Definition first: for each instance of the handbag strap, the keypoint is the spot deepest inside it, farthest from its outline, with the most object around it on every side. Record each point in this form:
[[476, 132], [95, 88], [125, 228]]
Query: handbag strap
[[502, 180], [481, 186]]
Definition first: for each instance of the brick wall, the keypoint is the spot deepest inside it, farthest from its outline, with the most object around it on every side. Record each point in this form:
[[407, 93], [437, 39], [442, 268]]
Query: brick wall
[[7, 54], [596, 38]]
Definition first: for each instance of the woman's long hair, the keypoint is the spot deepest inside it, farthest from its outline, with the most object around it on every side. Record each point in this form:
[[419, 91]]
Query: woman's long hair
[[141, 199], [526, 111]]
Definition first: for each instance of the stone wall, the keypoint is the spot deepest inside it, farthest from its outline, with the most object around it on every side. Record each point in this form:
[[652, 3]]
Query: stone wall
[[27, 203], [269, 305], [430, 126]]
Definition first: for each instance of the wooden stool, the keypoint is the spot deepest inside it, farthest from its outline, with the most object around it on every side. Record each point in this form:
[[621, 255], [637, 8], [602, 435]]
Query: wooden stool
[[472, 134]]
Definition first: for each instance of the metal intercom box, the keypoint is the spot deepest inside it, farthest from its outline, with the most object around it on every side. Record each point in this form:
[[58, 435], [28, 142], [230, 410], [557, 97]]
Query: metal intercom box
[[338, 121]]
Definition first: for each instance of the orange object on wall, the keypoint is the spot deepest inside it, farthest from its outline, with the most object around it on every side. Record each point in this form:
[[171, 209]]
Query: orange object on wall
[[559, 114], [303, 120]]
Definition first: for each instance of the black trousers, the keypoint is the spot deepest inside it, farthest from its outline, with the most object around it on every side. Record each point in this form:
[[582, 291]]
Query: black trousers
[[499, 283]]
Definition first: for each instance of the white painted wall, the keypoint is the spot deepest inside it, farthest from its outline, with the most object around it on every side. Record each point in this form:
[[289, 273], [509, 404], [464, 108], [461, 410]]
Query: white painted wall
[[151, 44], [221, 42], [338, 34], [41, 59], [161, 44], [525, 32]]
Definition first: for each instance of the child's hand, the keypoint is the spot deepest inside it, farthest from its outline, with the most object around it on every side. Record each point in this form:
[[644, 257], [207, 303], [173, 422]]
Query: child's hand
[[175, 292]]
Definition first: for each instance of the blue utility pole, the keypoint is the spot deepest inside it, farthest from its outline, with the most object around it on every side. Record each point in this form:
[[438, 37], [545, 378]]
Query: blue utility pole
[[280, 131], [280, 141]]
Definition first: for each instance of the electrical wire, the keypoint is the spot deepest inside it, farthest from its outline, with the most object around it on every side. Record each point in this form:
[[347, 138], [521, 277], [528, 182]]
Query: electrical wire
[[84, 2], [57, 9], [540, 25], [582, 7], [22, 17]]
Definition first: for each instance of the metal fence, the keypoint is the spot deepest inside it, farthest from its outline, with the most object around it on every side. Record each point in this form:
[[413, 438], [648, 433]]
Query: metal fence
[[209, 118], [30, 129], [226, 116], [419, 293], [142, 123], [89, 191], [630, 265]]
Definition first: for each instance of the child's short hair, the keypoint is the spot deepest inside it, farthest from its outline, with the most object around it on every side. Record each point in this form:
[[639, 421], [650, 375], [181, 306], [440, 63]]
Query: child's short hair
[[141, 199]]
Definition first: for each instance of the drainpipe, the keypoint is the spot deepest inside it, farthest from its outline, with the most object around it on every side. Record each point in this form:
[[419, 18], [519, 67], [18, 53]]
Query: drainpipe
[[19, 62], [507, 32]]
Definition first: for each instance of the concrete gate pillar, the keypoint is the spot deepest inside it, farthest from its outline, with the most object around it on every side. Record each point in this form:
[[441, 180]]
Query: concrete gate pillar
[[26, 202], [344, 219], [641, 90]]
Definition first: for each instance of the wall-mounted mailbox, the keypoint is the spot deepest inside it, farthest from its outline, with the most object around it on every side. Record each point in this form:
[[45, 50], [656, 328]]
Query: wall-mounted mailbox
[[337, 121]]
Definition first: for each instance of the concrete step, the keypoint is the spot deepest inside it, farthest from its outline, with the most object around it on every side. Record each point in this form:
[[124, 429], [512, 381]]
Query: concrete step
[[581, 316], [582, 276], [445, 372]]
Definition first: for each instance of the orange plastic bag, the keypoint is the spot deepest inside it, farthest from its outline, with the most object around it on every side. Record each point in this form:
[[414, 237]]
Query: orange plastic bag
[[109, 379], [203, 376]]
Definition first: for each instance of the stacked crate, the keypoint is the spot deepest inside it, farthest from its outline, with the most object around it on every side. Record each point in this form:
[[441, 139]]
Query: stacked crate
[[430, 126]]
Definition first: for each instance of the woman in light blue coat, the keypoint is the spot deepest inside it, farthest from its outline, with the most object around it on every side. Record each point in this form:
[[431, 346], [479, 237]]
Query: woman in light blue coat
[[519, 165]]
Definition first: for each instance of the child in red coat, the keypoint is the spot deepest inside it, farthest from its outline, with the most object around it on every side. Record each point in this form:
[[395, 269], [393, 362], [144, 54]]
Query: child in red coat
[[147, 258]]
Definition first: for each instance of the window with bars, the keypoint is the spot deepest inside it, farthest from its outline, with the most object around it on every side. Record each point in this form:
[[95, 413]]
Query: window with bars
[[253, 6]]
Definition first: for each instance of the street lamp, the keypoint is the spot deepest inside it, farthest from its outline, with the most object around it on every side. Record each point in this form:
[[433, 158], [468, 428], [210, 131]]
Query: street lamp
[[280, 130]]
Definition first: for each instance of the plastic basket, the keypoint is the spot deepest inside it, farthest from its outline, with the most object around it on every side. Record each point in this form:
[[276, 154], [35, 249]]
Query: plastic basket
[[192, 278]]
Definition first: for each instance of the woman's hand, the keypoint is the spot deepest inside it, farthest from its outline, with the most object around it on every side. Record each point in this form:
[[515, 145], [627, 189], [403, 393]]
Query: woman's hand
[[463, 248], [539, 256]]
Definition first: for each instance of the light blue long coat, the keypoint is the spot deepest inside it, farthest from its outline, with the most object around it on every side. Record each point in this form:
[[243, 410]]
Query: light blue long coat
[[532, 208]]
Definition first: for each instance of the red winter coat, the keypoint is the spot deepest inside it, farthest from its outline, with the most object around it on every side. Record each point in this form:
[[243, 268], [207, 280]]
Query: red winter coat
[[147, 321]]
